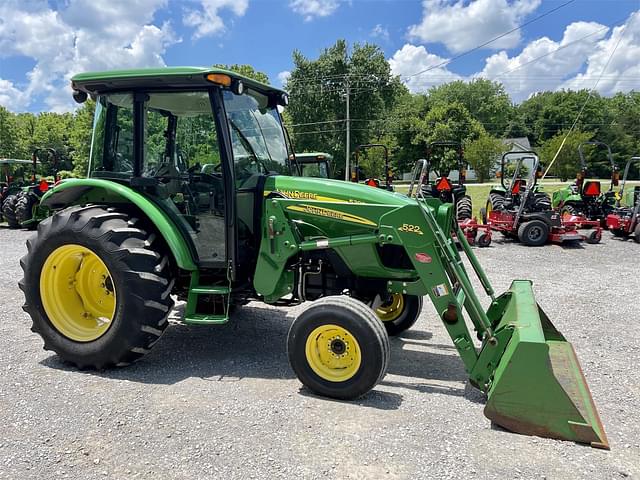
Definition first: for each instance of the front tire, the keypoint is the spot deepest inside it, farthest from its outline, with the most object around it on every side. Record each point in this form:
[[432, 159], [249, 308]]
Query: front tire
[[338, 348], [533, 233], [400, 313], [636, 234], [95, 286]]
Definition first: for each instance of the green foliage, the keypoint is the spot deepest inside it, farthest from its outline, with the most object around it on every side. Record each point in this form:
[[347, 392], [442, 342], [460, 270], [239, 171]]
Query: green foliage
[[567, 163], [318, 95], [80, 138], [8, 135], [483, 154], [489, 102], [246, 70]]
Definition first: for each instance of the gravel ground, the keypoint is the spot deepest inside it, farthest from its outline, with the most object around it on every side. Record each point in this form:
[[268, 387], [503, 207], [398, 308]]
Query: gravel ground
[[222, 402]]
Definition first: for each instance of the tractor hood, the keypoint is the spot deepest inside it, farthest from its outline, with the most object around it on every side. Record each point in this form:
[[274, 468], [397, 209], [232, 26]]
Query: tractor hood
[[325, 190]]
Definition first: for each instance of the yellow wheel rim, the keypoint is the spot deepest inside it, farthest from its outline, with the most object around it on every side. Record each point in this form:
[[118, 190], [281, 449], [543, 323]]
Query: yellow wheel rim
[[77, 293], [388, 312], [333, 353], [489, 208]]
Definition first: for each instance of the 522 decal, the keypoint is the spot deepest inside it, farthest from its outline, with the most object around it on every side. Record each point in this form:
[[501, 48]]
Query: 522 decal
[[408, 228]]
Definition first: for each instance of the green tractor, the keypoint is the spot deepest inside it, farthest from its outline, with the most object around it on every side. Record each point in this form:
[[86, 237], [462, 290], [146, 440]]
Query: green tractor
[[584, 198], [189, 194], [11, 181], [28, 212], [314, 164]]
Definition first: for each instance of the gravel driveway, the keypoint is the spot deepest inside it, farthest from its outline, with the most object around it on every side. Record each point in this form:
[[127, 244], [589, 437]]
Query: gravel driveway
[[222, 402]]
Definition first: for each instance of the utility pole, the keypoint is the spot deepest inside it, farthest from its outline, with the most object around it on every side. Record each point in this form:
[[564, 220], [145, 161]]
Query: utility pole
[[347, 171]]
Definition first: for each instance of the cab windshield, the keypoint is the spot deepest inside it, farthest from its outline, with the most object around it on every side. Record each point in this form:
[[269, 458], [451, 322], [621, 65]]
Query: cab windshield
[[257, 136]]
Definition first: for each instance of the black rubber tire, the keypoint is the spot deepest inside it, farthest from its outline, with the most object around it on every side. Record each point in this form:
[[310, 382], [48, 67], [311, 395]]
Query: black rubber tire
[[24, 208], [484, 240], [533, 233], [636, 234], [464, 208], [619, 232], [568, 209], [594, 237], [9, 211], [363, 324], [542, 201], [136, 267], [483, 216], [495, 201], [408, 317]]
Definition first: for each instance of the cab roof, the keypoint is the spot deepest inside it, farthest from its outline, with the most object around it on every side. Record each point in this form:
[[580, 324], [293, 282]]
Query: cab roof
[[163, 77]]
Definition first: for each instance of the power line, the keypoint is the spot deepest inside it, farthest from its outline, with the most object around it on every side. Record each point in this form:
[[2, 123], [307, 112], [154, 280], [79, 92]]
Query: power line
[[478, 47]]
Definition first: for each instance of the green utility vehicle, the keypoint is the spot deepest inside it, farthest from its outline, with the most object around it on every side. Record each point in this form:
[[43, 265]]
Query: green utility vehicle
[[314, 164], [11, 180], [189, 194], [585, 197]]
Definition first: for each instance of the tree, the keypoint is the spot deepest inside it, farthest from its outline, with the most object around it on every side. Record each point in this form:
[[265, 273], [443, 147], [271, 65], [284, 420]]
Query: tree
[[8, 134], [487, 101], [483, 154], [567, 163], [447, 122], [318, 91], [80, 137], [246, 70]]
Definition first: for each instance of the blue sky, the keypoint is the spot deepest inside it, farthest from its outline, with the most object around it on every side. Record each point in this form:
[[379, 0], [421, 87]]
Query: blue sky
[[43, 43]]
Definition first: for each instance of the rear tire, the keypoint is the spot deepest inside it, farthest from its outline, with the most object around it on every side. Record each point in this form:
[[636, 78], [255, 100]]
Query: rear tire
[[135, 271], [495, 201], [636, 234], [568, 209], [464, 208], [338, 348], [9, 211], [533, 233], [396, 322], [542, 202], [25, 203]]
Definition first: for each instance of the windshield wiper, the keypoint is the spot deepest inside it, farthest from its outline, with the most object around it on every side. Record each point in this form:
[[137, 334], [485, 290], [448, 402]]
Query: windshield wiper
[[247, 145]]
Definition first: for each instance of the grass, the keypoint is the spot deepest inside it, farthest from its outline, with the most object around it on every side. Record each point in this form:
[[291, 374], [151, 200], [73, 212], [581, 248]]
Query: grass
[[480, 193]]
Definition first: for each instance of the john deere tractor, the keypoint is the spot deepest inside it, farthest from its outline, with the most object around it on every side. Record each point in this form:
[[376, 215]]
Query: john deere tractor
[[188, 194], [11, 180], [584, 197]]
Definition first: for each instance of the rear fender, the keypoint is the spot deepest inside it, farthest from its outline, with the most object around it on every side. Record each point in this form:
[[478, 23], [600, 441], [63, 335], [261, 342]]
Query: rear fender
[[92, 190]]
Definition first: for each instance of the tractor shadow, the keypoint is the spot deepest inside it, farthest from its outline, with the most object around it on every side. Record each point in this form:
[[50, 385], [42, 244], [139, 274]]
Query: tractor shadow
[[428, 367], [253, 345]]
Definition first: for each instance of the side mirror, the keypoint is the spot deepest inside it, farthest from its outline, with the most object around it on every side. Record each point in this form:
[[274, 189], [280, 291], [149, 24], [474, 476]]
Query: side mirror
[[79, 96]]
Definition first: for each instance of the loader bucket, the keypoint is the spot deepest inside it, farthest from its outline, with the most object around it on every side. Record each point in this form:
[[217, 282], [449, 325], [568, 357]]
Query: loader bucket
[[538, 387]]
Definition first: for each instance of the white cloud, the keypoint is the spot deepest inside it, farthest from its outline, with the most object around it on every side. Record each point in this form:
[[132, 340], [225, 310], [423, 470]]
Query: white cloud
[[207, 21], [11, 97], [283, 77], [380, 32], [461, 25], [545, 64], [623, 71], [411, 59], [311, 9], [84, 35]]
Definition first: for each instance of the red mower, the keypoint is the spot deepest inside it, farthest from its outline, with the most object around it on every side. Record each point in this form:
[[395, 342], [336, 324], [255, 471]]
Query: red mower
[[625, 219], [519, 210], [443, 189]]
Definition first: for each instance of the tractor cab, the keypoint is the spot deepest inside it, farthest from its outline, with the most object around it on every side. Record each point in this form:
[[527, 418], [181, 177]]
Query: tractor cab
[[314, 164], [199, 144]]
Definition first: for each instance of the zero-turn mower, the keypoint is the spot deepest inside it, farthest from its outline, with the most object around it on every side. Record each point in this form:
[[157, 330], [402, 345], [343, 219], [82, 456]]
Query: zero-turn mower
[[226, 224], [448, 192], [519, 210], [624, 221], [584, 198]]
